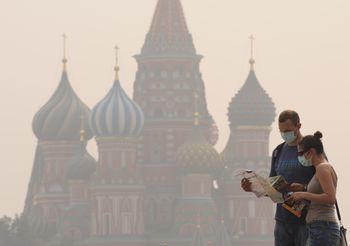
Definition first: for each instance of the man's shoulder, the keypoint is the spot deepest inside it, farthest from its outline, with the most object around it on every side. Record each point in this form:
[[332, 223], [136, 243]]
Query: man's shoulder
[[278, 148]]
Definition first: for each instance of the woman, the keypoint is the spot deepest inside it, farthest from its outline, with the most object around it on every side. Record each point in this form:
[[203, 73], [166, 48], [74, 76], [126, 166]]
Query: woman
[[321, 218]]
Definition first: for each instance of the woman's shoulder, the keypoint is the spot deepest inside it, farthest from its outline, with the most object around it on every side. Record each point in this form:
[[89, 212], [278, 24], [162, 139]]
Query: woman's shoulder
[[325, 167], [324, 164]]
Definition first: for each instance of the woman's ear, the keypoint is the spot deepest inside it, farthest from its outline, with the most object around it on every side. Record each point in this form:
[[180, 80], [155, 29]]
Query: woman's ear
[[311, 151], [299, 126]]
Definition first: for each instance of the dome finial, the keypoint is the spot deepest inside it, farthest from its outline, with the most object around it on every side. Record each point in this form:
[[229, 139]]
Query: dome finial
[[116, 68], [196, 111], [252, 61], [64, 59], [82, 127]]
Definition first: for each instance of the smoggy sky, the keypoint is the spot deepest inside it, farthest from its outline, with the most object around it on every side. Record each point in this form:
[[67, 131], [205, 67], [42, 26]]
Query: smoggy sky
[[301, 51]]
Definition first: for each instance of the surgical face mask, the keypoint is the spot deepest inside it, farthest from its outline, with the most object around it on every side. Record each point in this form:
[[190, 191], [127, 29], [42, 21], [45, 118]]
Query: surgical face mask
[[303, 161], [288, 137]]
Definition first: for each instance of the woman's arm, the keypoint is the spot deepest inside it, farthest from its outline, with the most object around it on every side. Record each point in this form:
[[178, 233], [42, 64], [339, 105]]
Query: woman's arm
[[324, 175]]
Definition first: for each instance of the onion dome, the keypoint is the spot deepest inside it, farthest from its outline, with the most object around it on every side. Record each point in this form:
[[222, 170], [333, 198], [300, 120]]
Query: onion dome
[[59, 118], [197, 155], [81, 166], [251, 105], [116, 114]]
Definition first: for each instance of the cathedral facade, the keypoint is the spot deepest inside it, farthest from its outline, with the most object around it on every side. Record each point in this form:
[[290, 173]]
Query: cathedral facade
[[153, 181]]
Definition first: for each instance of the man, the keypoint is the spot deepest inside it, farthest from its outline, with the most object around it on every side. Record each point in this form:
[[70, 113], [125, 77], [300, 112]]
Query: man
[[289, 229]]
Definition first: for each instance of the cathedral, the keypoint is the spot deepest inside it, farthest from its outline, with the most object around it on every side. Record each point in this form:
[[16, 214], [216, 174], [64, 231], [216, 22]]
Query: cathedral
[[158, 180]]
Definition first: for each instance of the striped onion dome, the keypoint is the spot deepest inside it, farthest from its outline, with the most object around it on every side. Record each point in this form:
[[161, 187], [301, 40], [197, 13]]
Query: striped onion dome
[[116, 115], [60, 118]]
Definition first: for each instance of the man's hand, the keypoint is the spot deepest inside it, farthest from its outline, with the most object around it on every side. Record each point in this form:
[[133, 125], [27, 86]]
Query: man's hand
[[294, 187], [246, 185]]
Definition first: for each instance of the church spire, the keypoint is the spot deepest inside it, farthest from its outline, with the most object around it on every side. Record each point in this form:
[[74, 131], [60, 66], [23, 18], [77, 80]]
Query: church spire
[[168, 34], [168, 17], [251, 60]]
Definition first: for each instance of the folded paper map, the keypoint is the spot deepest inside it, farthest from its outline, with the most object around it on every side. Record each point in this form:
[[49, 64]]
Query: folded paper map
[[274, 187], [265, 186]]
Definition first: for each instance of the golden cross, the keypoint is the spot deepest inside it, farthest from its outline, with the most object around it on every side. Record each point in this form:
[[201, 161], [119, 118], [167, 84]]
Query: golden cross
[[116, 54], [252, 38], [64, 60], [116, 68]]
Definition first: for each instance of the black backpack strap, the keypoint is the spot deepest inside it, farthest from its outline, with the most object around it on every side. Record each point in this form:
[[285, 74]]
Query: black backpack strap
[[276, 152]]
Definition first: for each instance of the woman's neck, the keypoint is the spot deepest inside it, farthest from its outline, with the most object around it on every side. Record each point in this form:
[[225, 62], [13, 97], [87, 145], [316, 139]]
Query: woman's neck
[[317, 160]]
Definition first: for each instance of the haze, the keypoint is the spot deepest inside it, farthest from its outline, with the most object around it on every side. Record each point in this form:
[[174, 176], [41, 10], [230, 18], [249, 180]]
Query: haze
[[301, 52]]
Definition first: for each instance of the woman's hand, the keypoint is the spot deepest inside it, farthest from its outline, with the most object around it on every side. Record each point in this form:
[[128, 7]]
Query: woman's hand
[[297, 196]]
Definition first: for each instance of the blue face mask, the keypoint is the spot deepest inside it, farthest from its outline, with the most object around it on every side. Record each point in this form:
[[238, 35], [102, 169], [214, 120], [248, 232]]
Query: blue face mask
[[288, 137], [304, 162]]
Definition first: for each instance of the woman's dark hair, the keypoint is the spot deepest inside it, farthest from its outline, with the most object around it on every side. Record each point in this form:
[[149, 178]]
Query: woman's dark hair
[[312, 141]]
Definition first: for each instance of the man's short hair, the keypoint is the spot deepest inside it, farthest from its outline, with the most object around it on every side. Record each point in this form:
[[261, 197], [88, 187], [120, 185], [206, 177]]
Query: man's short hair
[[289, 115]]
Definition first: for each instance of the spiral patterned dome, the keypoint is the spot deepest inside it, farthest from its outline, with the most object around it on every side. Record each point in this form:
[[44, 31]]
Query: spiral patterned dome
[[197, 155], [251, 105], [60, 118], [116, 115], [81, 166]]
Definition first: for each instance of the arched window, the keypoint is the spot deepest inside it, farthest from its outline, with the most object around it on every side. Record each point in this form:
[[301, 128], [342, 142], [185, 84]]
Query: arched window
[[152, 211], [126, 214], [107, 224], [263, 226], [164, 74], [164, 210], [107, 211], [176, 75]]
